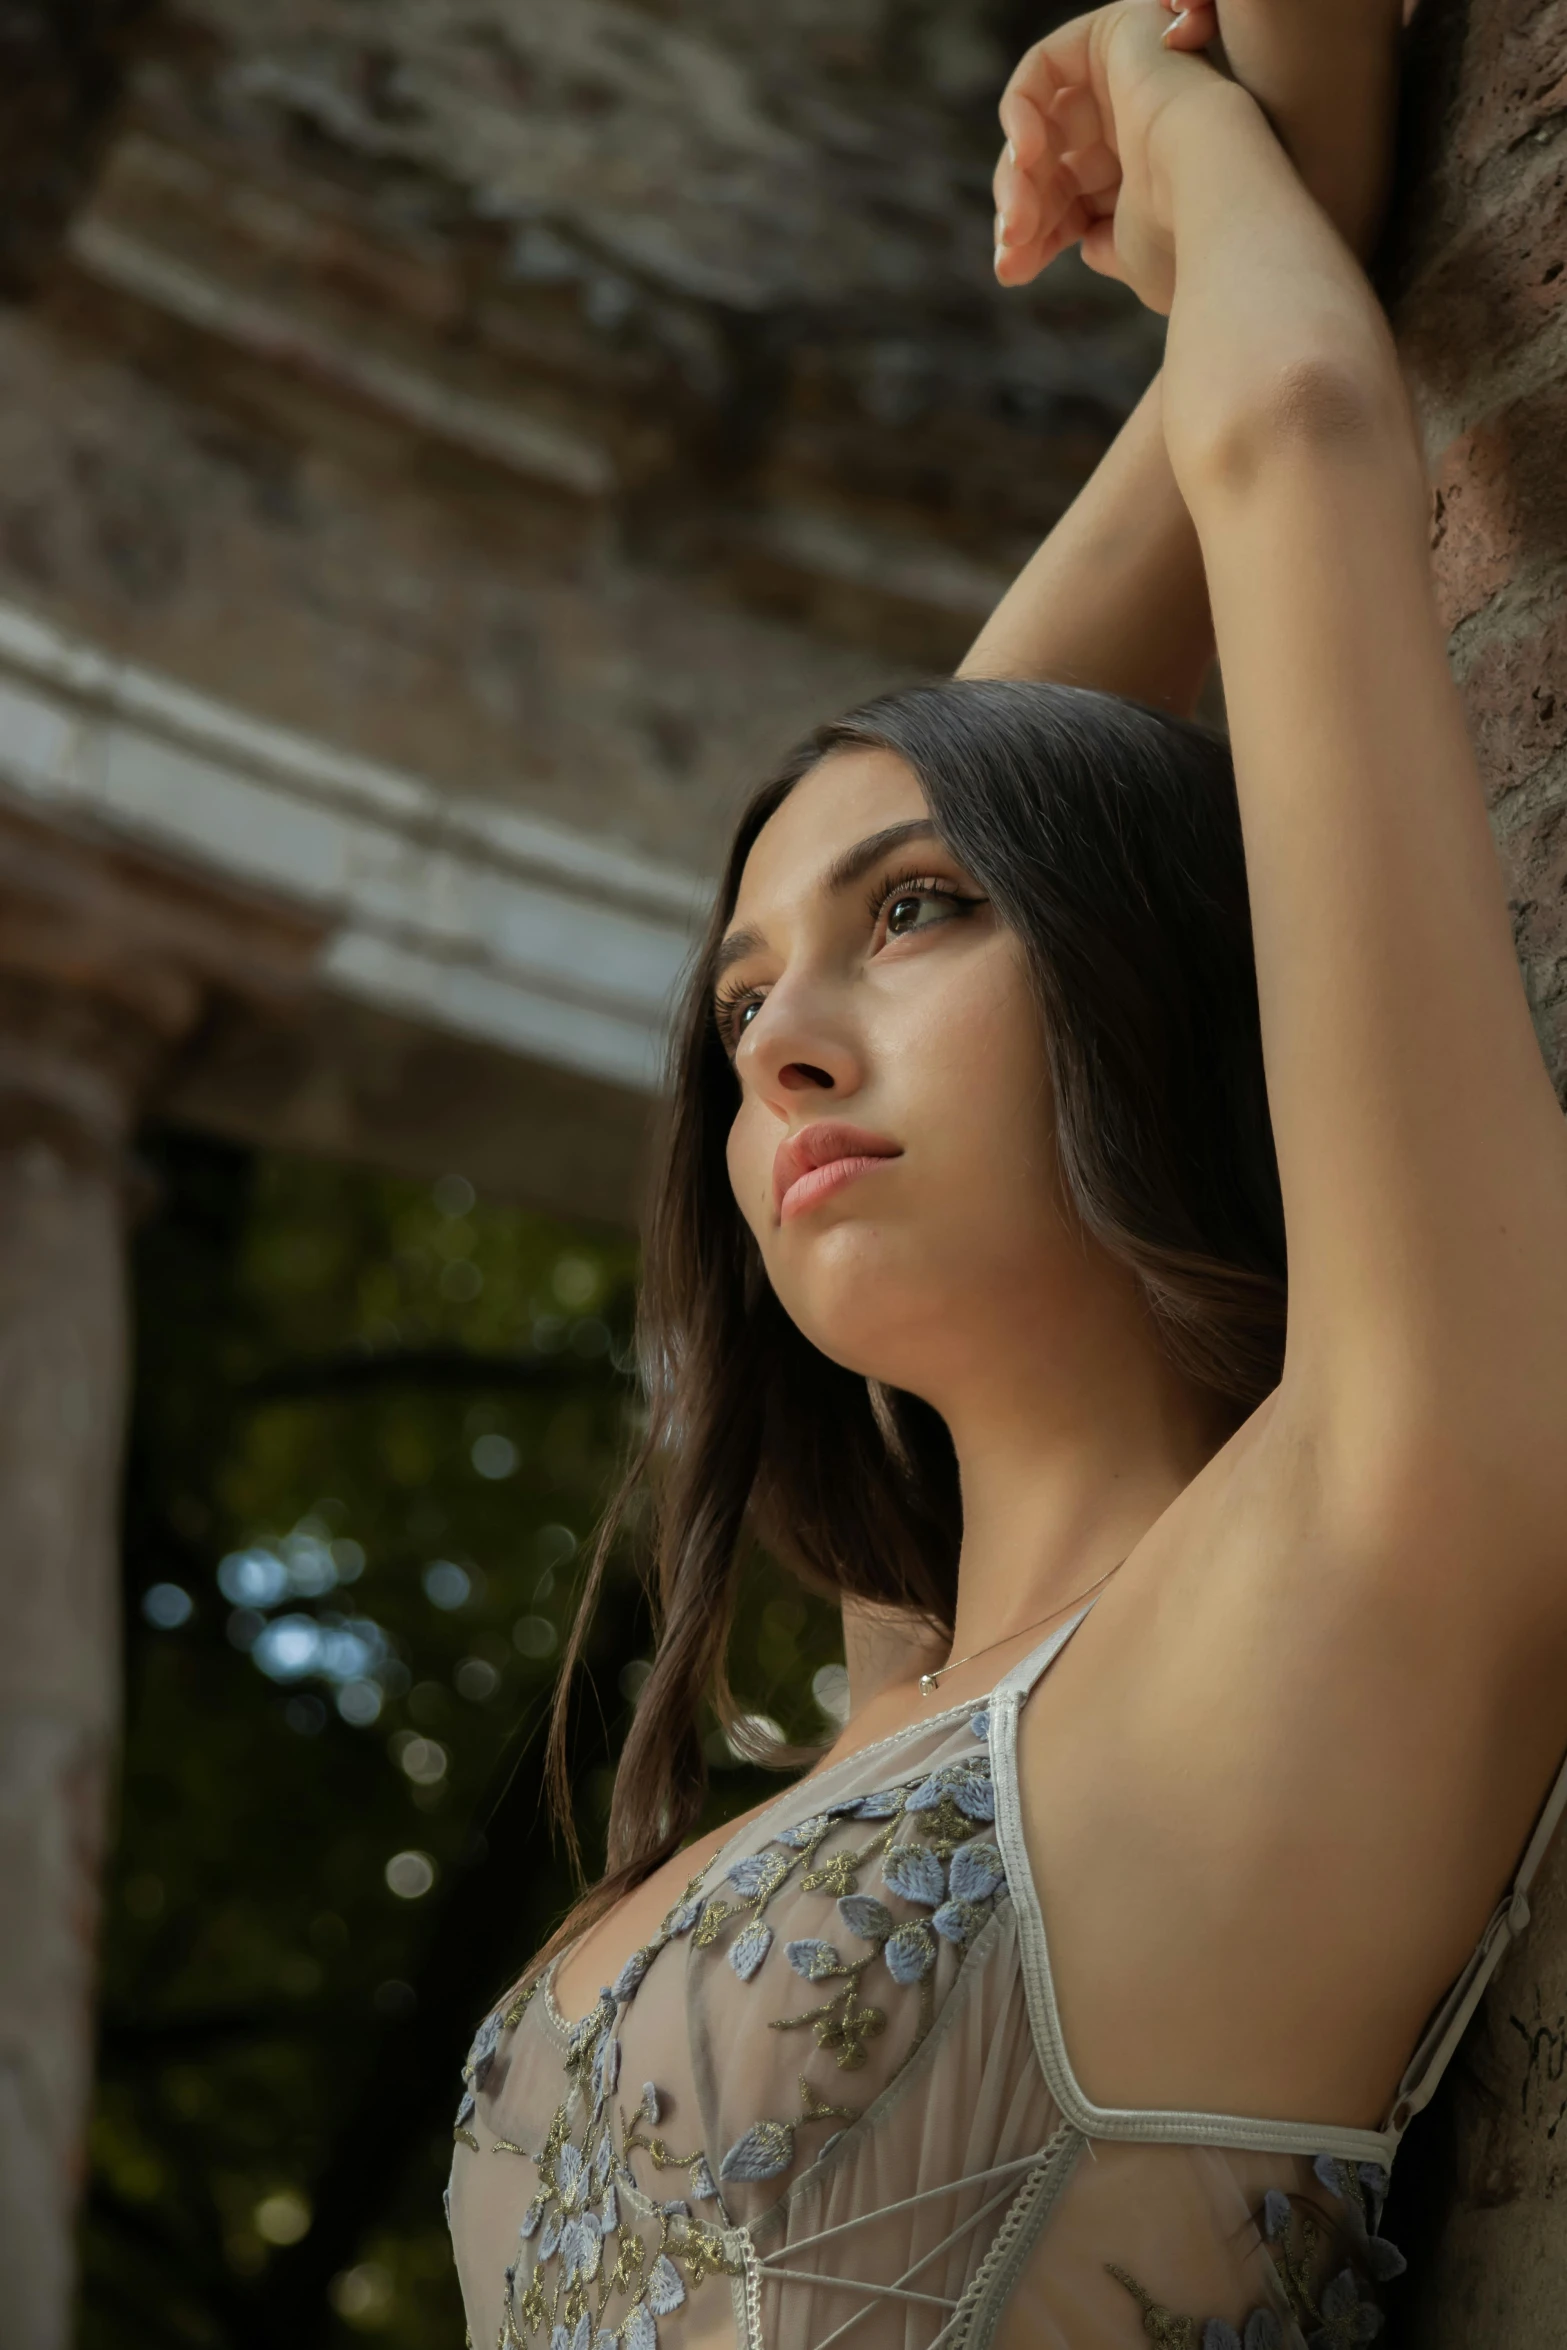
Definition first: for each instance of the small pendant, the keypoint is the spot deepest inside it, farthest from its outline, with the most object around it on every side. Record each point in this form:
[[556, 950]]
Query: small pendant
[[927, 1684]]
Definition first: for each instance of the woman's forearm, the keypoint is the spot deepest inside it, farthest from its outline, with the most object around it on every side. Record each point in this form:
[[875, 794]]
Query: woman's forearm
[[1420, 1147], [1275, 335], [1115, 597]]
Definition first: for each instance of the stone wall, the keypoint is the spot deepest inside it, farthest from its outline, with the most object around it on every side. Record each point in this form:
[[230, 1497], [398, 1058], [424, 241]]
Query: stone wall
[[1479, 276], [568, 405], [557, 410]]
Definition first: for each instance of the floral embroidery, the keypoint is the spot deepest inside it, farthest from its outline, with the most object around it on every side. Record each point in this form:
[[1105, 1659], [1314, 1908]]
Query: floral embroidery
[[581, 2244], [480, 2057], [943, 1867], [597, 2263], [1334, 2313]]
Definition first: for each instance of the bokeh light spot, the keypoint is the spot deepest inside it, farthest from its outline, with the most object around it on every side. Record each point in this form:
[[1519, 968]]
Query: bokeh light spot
[[282, 2217], [359, 1702], [453, 1195], [494, 1456], [534, 1636], [362, 2296], [447, 1585], [410, 1875], [167, 1606]]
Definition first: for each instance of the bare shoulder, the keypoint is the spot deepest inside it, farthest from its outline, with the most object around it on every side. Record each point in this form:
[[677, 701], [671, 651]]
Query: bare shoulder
[[1278, 1781]]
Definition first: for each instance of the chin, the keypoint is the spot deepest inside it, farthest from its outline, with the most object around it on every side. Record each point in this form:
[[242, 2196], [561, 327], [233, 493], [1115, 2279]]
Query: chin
[[870, 1316]]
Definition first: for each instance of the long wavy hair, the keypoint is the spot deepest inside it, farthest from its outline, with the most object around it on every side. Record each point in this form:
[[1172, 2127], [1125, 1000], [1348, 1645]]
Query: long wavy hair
[[1107, 836]]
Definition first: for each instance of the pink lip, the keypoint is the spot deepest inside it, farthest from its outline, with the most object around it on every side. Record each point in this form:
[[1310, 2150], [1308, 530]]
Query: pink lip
[[811, 1165]]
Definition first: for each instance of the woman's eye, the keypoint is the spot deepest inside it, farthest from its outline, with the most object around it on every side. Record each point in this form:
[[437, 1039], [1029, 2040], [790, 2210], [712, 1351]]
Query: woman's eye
[[908, 911], [734, 1015]]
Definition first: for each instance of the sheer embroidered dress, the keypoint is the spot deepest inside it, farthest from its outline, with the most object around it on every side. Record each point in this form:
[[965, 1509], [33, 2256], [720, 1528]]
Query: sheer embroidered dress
[[830, 2102]]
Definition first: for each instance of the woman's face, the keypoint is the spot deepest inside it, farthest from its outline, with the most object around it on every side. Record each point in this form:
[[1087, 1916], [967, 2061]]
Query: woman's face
[[892, 1151]]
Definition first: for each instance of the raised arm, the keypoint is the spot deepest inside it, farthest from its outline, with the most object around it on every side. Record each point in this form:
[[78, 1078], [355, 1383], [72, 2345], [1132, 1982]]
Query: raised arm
[[1116, 596], [1421, 1150]]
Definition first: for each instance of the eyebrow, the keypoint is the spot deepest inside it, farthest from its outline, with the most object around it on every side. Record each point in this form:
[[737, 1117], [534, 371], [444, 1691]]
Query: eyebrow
[[841, 874]]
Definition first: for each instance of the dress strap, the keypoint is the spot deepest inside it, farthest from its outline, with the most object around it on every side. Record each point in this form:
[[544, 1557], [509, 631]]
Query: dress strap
[[1023, 1676], [1508, 1922]]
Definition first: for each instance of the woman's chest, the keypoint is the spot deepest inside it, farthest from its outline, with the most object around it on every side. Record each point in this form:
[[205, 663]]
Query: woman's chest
[[752, 2056]]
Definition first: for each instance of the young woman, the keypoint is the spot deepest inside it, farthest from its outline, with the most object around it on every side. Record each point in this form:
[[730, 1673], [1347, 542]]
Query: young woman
[[1069, 2000]]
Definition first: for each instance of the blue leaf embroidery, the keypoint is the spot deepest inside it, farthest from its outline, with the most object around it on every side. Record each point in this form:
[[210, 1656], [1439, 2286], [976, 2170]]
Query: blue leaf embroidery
[[1384, 2260], [805, 1831], [814, 1960], [631, 1974], [749, 1948], [915, 1874], [864, 1915], [766, 2149], [641, 2332], [481, 2054], [759, 1873], [910, 1952], [976, 1798], [976, 1871], [665, 2289], [958, 1921]]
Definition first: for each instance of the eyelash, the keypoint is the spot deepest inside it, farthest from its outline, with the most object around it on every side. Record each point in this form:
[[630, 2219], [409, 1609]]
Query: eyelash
[[728, 1002]]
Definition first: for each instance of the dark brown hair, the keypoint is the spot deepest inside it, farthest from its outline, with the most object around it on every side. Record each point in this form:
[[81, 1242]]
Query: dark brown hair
[[1108, 838]]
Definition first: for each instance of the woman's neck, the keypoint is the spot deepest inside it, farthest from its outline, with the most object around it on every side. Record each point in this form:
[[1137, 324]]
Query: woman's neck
[[1067, 1455]]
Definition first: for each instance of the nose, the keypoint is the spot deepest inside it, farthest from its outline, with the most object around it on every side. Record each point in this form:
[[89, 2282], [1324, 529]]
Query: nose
[[794, 1047]]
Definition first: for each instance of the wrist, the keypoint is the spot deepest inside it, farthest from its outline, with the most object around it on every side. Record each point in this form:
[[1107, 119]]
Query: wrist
[[1205, 138], [1224, 171]]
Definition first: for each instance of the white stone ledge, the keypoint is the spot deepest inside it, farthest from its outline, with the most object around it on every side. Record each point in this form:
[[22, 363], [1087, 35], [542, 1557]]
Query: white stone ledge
[[482, 921]]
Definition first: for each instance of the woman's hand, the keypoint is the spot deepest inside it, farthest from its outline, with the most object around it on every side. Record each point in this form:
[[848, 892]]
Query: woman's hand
[[1086, 114], [1326, 79]]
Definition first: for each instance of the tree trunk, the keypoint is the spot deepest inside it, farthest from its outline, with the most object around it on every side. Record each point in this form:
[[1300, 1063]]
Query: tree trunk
[[1478, 268]]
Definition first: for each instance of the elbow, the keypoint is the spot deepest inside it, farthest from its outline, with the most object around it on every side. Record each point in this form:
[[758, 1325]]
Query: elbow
[[1317, 412]]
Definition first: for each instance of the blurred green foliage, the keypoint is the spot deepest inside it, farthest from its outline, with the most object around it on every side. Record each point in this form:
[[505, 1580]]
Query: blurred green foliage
[[387, 1416]]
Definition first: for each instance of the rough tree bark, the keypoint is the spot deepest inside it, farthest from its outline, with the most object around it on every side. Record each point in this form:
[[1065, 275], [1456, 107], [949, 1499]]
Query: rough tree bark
[[1479, 280]]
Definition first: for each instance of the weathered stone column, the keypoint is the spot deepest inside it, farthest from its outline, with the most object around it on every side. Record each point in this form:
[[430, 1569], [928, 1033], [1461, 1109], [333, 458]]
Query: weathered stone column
[[104, 969], [1481, 313], [70, 1073]]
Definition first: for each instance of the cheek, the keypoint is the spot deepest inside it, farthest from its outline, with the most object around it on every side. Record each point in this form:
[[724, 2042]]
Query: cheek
[[980, 1087], [748, 1153]]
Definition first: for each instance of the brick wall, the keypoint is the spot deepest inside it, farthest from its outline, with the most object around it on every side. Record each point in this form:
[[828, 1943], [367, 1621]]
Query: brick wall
[[1477, 277]]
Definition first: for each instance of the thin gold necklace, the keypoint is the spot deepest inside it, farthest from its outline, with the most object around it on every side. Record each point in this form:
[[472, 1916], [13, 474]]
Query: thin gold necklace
[[928, 1681]]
